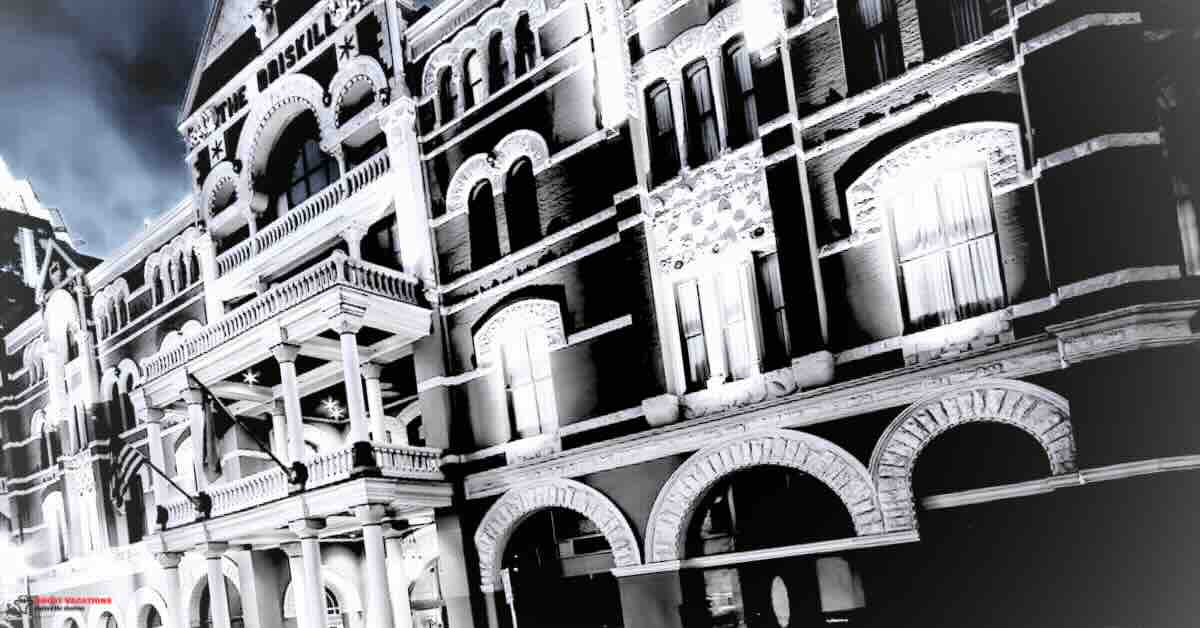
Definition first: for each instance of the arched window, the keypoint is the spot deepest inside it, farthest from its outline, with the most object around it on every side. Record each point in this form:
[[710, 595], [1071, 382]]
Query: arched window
[[108, 620], [497, 62], [333, 610], [739, 93], [526, 46], [446, 95], [945, 242], [473, 88], [521, 205], [298, 168], [705, 139], [526, 358], [135, 510], [481, 218], [660, 122], [153, 619]]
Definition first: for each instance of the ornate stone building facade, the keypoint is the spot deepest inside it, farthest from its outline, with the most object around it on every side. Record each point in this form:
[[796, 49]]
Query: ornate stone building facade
[[655, 313]]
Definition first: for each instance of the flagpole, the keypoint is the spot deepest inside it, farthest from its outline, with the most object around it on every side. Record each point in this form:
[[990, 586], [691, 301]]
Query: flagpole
[[297, 473]]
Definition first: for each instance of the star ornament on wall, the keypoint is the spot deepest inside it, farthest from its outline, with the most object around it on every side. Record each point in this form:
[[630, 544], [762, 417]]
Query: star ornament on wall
[[250, 377], [332, 408], [346, 48]]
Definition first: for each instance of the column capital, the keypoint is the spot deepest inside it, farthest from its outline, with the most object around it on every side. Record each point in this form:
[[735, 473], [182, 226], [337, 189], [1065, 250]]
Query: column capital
[[141, 407], [371, 370], [345, 318], [278, 407], [307, 528], [285, 352], [192, 395], [370, 514], [292, 550], [213, 551], [169, 560], [399, 117]]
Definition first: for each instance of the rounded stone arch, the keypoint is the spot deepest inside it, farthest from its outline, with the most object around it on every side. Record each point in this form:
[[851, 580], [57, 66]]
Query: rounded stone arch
[[522, 314], [96, 613], [172, 340], [129, 375], [191, 328], [360, 69], [138, 608], [996, 143], [72, 619], [496, 19], [1042, 414], [199, 580], [109, 382], [341, 586], [519, 503], [220, 187], [281, 103], [521, 143], [440, 59], [685, 489], [473, 169]]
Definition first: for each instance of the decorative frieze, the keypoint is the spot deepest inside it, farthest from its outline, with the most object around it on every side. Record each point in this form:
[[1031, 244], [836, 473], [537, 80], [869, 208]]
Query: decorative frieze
[[1042, 414], [503, 517], [835, 467], [450, 54], [704, 211]]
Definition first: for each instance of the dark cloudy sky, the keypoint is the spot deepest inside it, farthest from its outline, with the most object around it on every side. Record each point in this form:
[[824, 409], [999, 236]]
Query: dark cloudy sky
[[89, 95]]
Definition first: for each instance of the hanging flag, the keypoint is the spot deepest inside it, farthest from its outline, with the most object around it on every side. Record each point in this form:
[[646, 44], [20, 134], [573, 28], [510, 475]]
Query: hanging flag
[[211, 456], [129, 463]]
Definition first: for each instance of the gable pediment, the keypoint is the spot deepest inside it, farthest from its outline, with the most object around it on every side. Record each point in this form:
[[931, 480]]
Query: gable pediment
[[57, 266]]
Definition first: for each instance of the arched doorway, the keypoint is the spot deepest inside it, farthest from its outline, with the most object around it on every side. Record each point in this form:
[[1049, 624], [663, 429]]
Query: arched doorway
[[764, 507], [556, 568], [204, 607]]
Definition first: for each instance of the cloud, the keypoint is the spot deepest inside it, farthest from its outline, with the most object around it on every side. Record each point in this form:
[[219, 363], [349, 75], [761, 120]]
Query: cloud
[[89, 95]]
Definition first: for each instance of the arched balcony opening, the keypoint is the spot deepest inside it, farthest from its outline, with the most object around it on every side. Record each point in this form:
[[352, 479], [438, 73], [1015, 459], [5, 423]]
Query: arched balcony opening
[[297, 169], [235, 606], [379, 245], [135, 510], [357, 98], [558, 562]]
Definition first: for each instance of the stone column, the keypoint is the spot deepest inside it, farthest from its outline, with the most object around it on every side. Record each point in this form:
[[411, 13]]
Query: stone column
[[312, 604], [379, 602], [217, 596], [176, 610], [206, 253], [345, 319], [279, 443], [286, 354], [296, 568], [398, 582], [371, 374], [194, 398], [353, 235]]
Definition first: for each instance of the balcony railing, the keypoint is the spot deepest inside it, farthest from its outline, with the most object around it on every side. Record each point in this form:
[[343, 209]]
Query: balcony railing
[[335, 271], [352, 183], [393, 461]]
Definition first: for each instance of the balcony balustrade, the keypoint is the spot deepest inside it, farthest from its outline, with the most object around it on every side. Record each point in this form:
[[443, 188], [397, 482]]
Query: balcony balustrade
[[347, 186], [394, 461], [338, 270]]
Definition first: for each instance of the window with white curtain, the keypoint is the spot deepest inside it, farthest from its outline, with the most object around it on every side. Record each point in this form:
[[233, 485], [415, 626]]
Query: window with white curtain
[[185, 468], [526, 358], [733, 285], [945, 243]]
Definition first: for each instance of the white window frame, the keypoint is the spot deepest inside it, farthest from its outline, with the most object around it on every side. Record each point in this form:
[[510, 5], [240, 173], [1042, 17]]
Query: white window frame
[[705, 272]]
